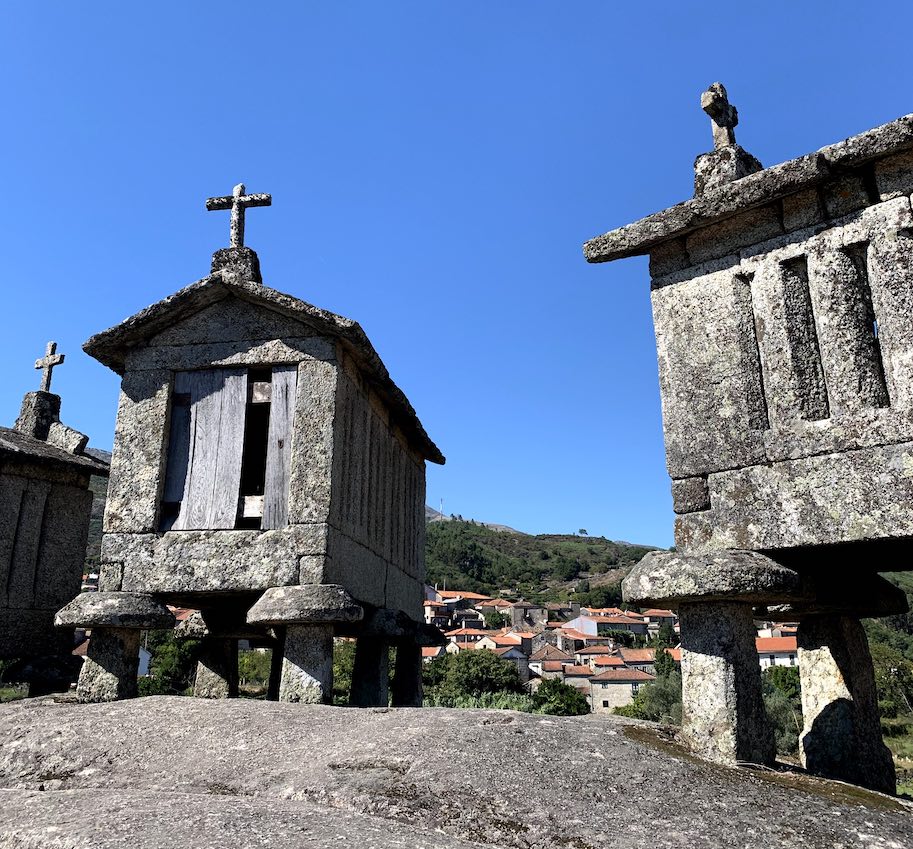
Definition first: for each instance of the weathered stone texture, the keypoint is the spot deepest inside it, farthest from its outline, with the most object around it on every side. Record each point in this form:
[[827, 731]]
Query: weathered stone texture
[[114, 610], [212, 561], [709, 374], [255, 352], [723, 715], [138, 459], [307, 666], [371, 673], [217, 669], [310, 482], [260, 774], [664, 577], [38, 412], [309, 604], [844, 195], [894, 175], [857, 495], [802, 209], [669, 257], [740, 231], [109, 670], [721, 166], [690, 495], [842, 734]]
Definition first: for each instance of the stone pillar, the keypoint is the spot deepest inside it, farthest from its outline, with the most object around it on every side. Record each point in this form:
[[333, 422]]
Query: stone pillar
[[110, 668], [723, 715], [217, 669], [842, 734], [307, 666], [116, 619], [371, 673], [407, 679], [275, 668]]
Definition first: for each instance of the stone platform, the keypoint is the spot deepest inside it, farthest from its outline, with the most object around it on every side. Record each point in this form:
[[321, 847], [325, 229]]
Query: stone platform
[[169, 771]]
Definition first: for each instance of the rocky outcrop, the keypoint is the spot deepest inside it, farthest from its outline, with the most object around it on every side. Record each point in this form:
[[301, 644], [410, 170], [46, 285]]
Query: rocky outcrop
[[163, 771]]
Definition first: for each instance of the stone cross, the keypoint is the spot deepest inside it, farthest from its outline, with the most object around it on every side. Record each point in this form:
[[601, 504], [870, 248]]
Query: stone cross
[[50, 359], [237, 202], [723, 115]]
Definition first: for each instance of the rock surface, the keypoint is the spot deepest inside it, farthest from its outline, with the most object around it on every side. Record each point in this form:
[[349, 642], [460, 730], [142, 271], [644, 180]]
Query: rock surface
[[169, 771]]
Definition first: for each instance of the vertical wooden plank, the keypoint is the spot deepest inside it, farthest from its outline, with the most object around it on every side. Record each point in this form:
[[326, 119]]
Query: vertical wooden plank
[[223, 510], [279, 447], [178, 440], [218, 401]]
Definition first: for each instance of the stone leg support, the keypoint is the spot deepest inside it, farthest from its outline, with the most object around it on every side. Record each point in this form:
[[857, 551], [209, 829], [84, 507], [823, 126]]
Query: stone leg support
[[842, 734], [407, 678], [275, 669], [110, 668], [217, 669], [307, 664], [371, 673], [723, 715]]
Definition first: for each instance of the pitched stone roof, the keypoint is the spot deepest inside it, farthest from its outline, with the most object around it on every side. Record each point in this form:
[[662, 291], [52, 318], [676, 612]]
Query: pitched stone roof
[[111, 346], [748, 192], [16, 445]]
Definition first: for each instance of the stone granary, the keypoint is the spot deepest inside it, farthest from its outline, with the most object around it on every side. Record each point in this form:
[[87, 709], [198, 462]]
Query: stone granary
[[783, 310], [45, 505], [268, 473]]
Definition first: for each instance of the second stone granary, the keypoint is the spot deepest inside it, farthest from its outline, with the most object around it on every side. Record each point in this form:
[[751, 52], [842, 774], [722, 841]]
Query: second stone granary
[[268, 472], [783, 310]]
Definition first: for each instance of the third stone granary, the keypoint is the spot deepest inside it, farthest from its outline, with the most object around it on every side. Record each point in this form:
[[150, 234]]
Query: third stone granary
[[267, 472], [783, 310]]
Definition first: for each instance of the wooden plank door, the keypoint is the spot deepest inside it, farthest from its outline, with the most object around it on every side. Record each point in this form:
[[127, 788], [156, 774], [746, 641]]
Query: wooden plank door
[[218, 401], [279, 447]]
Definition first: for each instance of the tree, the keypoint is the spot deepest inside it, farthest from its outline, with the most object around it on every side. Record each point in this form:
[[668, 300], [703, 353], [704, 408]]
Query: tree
[[666, 637], [471, 673], [173, 664], [343, 663], [495, 620], [583, 532], [658, 702], [664, 665], [560, 699], [783, 704], [254, 668]]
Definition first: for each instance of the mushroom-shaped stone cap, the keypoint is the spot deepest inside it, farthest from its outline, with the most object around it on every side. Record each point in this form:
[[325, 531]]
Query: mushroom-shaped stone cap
[[669, 578], [309, 604], [868, 595], [114, 610]]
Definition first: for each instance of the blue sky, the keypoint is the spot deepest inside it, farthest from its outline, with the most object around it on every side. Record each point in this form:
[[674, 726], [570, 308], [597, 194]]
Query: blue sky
[[435, 168]]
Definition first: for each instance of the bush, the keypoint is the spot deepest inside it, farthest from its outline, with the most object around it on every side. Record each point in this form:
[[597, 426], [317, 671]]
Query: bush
[[559, 699], [783, 704], [658, 702], [470, 673]]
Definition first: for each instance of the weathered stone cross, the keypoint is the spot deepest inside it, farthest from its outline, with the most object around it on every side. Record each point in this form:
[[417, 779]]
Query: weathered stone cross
[[237, 203], [723, 115], [50, 359]]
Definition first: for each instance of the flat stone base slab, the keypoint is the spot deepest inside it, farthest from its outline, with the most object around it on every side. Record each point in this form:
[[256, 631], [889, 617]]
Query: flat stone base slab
[[114, 610], [669, 578]]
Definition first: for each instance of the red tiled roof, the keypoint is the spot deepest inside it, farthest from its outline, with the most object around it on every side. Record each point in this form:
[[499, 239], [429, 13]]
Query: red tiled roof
[[506, 640], [501, 652], [773, 645], [467, 632], [525, 635], [181, 613], [656, 611], [623, 676], [550, 652], [431, 651], [552, 666], [578, 670], [602, 611], [594, 650], [460, 594], [637, 655], [607, 660], [429, 603]]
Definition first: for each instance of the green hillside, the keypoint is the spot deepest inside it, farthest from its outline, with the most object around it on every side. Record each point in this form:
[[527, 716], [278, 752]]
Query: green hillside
[[469, 556]]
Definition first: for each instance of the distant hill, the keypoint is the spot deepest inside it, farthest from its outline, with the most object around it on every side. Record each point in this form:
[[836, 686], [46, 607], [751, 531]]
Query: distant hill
[[473, 556], [432, 515]]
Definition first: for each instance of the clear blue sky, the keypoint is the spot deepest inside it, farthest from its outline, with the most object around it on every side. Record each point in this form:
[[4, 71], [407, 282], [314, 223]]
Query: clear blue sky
[[435, 168]]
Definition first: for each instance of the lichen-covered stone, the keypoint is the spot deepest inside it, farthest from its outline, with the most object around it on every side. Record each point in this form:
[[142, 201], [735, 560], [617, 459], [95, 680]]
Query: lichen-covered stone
[[115, 610], [842, 733], [669, 578], [723, 716], [690, 495], [111, 665], [304, 604], [217, 669], [307, 664]]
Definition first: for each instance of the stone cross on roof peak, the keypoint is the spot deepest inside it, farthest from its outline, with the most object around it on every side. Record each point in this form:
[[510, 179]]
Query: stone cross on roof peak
[[238, 202], [723, 115], [50, 359]]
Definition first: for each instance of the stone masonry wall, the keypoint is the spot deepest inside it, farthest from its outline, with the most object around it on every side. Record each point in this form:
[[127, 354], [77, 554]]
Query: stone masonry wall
[[785, 339]]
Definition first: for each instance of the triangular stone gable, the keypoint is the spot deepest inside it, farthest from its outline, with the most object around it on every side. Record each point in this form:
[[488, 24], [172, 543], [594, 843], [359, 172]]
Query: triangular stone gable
[[231, 319]]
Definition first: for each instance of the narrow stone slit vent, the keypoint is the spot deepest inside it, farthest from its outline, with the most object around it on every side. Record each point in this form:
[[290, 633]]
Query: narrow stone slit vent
[[869, 339], [802, 334], [760, 420]]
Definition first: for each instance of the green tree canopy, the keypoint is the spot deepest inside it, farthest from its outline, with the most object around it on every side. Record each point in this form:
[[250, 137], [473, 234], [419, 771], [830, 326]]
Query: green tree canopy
[[560, 699], [471, 673]]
